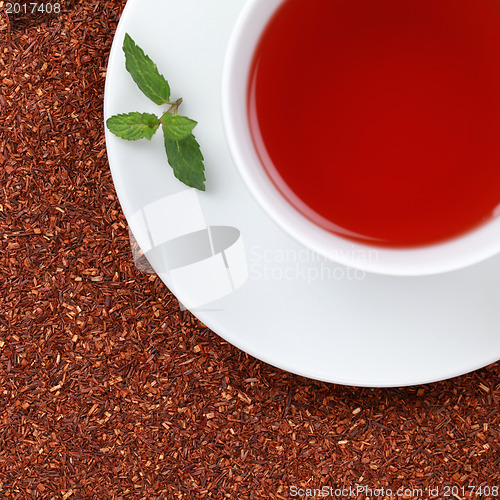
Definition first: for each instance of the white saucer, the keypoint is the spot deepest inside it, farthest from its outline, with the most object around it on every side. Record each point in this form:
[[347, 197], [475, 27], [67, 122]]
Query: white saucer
[[277, 301]]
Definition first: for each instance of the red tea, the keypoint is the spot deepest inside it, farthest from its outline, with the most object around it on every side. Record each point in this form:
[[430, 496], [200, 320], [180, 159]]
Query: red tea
[[380, 119]]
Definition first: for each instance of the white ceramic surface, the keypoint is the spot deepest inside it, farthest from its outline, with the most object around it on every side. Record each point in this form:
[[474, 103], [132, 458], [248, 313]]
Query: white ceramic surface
[[471, 248], [293, 309]]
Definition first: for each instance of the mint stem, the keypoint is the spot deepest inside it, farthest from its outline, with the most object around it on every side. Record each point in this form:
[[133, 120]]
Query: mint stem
[[175, 106]]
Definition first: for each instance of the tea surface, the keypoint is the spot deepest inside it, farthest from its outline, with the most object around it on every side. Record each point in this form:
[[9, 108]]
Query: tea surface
[[380, 119]]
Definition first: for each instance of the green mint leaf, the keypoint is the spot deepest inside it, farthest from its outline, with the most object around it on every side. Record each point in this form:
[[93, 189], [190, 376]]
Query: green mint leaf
[[145, 73], [177, 127], [133, 126], [185, 158]]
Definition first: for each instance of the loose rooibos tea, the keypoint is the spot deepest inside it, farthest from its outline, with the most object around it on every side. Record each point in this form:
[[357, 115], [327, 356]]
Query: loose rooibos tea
[[380, 119]]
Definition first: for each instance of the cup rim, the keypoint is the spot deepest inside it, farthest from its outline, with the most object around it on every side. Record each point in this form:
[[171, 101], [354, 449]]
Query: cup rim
[[462, 251]]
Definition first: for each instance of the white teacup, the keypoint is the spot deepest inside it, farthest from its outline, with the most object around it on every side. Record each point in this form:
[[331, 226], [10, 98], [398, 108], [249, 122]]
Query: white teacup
[[465, 250]]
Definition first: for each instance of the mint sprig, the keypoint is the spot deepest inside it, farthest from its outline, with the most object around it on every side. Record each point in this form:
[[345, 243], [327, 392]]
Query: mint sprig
[[183, 151]]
